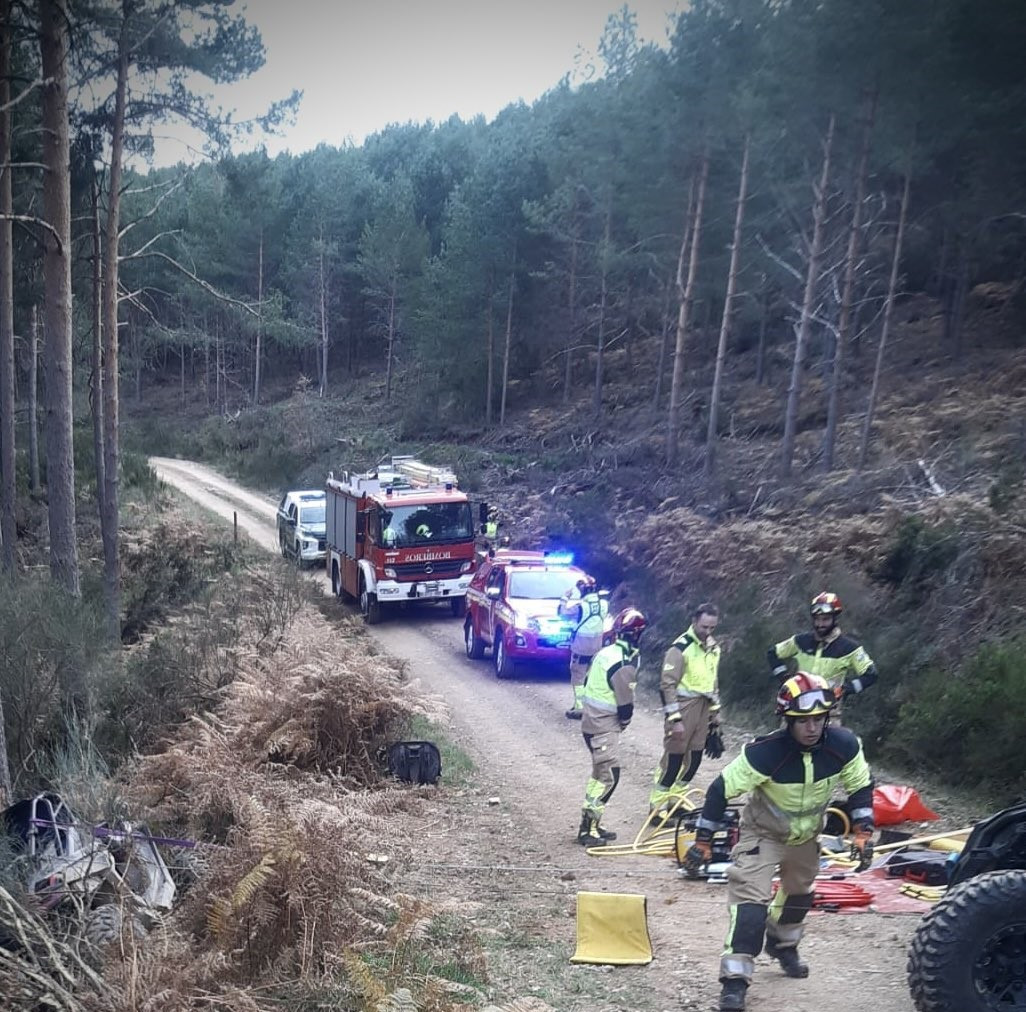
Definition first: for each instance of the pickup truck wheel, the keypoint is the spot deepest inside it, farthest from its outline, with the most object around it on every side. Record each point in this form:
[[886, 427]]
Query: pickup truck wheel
[[281, 545], [474, 644], [459, 606], [967, 953], [505, 666], [369, 606], [299, 556]]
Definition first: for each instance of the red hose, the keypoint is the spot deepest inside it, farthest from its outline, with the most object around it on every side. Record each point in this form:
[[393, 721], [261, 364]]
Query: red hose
[[827, 895]]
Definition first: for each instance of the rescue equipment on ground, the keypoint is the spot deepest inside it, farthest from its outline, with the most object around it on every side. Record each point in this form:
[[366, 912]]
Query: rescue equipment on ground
[[612, 929], [415, 762], [897, 803]]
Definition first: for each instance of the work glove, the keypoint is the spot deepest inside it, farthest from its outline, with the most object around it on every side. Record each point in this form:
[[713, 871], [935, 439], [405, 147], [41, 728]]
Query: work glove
[[862, 845], [714, 742], [699, 854], [779, 672]]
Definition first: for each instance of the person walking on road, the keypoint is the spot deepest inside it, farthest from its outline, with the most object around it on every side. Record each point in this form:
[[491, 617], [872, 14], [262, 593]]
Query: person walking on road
[[689, 686], [608, 709], [586, 607], [827, 652], [789, 776]]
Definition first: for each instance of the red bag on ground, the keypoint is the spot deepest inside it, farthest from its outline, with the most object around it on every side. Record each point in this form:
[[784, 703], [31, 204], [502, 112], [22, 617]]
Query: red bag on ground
[[895, 803]]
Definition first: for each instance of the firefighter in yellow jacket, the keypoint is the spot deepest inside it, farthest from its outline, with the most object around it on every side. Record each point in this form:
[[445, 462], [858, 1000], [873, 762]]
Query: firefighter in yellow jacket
[[789, 777], [826, 651], [586, 607], [689, 686], [608, 709]]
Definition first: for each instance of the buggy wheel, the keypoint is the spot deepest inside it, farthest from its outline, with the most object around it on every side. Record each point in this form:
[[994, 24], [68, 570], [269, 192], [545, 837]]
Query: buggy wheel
[[969, 952]]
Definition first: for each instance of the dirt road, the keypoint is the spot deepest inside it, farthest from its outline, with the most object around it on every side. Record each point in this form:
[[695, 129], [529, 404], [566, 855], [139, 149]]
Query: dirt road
[[513, 862]]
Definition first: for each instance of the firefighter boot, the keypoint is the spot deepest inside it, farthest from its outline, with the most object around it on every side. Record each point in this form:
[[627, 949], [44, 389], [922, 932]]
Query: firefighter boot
[[732, 997], [790, 962], [590, 834]]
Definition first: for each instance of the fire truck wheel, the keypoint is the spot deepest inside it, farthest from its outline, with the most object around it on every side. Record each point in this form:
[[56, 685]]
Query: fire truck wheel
[[459, 606], [369, 606], [474, 644], [504, 664]]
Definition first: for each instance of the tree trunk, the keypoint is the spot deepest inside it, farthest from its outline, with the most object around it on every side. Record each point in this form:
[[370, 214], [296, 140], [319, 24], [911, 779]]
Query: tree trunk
[[260, 318], [8, 485], [805, 323], [687, 293], [110, 515], [509, 343], [571, 336], [390, 349], [848, 294], [664, 340], [490, 392], [323, 387], [33, 402], [760, 355], [96, 385], [600, 343], [892, 290], [60, 449], [728, 307]]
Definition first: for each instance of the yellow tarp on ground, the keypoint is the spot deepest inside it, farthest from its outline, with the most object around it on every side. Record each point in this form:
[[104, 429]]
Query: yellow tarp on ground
[[612, 928]]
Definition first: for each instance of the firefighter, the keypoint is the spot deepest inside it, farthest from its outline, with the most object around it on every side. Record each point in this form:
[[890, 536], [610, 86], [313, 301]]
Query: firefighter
[[608, 709], [826, 651], [689, 688], [586, 607], [491, 526], [789, 776]]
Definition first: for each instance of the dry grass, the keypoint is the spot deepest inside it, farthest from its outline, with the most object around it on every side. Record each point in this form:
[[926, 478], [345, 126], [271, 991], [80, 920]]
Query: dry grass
[[281, 783]]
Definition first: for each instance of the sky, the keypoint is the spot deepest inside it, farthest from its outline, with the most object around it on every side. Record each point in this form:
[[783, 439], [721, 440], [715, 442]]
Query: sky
[[363, 64]]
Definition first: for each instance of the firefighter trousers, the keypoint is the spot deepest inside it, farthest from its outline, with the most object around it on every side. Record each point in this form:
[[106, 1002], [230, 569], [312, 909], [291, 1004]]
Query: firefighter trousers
[[605, 771], [683, 742], [755, 911]]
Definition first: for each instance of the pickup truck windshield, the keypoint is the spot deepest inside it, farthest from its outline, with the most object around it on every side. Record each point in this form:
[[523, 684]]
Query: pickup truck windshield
[[312, 514], [542, 584]]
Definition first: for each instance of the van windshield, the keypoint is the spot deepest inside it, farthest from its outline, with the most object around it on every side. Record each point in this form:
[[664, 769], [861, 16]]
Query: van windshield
[[541, 584]]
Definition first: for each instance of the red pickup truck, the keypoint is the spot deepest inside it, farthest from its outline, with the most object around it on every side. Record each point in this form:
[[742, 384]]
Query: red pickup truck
[[512, 608]]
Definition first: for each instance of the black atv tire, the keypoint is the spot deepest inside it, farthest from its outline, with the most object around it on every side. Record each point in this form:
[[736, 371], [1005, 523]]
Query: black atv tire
[[967, 953]]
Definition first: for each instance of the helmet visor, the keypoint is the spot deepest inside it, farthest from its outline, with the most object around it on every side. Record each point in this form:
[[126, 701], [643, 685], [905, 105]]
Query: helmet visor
[[813, 701], [823, 608]]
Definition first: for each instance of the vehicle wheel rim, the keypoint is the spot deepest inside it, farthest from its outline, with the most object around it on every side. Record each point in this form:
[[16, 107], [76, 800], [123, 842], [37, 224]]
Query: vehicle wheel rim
[[467, 634], [999, 971], [500, 655]]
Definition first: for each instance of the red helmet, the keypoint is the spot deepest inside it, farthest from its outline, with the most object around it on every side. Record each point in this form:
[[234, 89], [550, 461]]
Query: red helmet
[[826, 604], [629, 625], [804, 695]]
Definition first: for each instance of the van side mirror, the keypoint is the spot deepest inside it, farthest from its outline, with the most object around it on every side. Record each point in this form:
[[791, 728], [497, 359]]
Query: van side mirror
[[493, 592]]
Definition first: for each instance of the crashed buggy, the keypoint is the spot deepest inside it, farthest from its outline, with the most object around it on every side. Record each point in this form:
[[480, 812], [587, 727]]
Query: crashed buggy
[[109, 875], [969, 952]]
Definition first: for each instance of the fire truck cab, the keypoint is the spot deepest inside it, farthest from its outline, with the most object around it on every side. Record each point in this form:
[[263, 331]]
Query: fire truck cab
[[401, 533]]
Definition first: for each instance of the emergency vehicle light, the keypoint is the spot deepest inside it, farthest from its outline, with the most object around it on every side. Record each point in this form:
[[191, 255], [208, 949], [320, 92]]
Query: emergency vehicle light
[[560, 558]]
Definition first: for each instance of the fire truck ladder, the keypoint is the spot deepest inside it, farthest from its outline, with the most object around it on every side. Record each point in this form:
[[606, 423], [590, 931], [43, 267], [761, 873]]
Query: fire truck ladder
[[421, 475]]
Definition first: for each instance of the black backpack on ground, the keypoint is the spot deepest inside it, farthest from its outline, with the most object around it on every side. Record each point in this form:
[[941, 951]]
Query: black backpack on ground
[[415, 762]]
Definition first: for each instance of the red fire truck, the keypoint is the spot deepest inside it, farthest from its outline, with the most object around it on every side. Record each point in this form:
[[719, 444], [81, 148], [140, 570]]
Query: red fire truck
[[400, 533]]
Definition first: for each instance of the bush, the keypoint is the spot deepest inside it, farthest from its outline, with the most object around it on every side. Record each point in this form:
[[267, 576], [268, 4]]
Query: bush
[[918, 554], [969, 723], [51, 648]]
